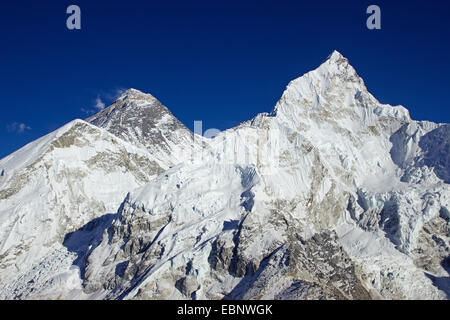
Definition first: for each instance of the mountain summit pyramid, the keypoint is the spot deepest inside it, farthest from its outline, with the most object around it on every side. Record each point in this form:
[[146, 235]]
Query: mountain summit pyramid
[[142, 120], [332, 195]]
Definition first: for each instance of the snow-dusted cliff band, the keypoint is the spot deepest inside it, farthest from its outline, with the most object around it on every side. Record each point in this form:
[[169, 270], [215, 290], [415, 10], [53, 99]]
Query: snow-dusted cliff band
[[332, 195]]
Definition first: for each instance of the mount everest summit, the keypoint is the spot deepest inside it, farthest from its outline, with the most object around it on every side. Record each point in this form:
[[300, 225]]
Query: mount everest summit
[[332, 195]]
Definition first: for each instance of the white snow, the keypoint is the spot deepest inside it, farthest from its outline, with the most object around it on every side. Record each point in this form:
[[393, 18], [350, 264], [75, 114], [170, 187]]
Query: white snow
[[294, 169]]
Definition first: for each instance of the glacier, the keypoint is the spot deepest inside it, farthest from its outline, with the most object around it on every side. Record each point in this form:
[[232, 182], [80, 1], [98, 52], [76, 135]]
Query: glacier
[[331, 195]]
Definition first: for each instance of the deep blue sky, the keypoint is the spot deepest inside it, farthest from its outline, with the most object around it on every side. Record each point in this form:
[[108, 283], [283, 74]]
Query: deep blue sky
[[217, 61]]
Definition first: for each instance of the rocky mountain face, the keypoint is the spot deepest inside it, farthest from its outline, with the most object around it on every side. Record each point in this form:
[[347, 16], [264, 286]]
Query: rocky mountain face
[[143, 121], [332, 195]]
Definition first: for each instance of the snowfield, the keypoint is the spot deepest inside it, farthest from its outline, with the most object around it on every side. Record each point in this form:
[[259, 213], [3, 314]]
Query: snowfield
[[332, 195]]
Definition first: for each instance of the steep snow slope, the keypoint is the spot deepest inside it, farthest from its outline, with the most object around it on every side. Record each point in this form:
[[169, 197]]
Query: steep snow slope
[[332, 195]]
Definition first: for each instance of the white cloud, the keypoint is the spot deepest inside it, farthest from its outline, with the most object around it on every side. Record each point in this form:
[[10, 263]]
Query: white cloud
[[17, 127], [113, 95], [119, 92], [99, 104]]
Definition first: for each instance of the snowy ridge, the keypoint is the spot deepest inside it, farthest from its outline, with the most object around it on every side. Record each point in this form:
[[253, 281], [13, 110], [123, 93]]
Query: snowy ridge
[[332, 195], [29, 153]]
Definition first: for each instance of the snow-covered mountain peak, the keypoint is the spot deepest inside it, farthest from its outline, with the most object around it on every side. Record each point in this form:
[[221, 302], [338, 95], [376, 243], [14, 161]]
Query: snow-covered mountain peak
[[335, 73], [335, 55], [339, 66], [334, 92], [337, 62], [144, 121], [134, 94]]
